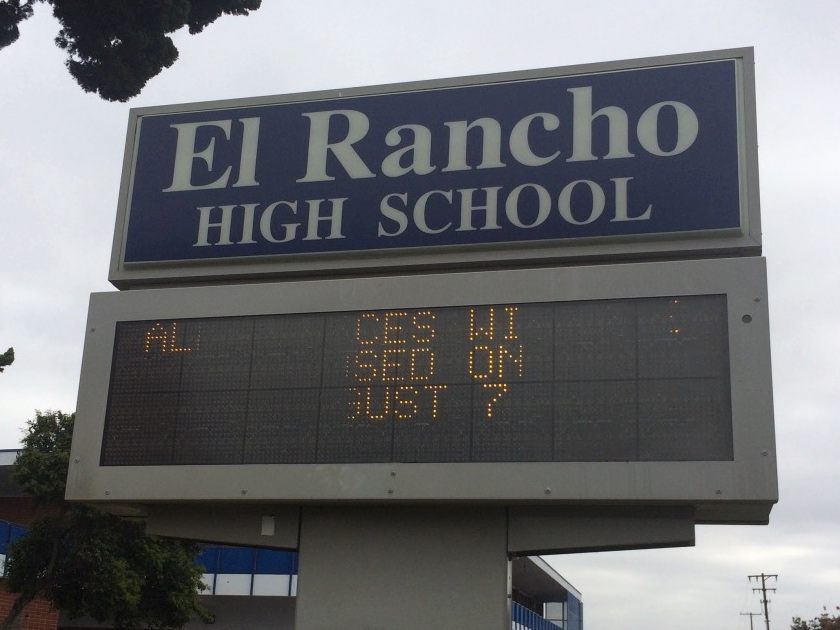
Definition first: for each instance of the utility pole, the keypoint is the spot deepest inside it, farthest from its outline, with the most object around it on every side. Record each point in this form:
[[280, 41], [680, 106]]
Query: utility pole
[[751, 616], [763, 590]]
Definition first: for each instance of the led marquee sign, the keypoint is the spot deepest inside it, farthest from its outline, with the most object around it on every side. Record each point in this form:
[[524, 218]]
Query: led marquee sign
[[613, 383], [614, 380], [650, 157]]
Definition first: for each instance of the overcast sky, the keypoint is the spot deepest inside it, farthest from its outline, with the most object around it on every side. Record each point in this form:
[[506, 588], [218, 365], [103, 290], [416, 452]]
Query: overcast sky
[[62, 149]]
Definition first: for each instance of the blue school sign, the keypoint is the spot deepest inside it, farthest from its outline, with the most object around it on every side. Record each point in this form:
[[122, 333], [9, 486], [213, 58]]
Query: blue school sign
[[654, 156]]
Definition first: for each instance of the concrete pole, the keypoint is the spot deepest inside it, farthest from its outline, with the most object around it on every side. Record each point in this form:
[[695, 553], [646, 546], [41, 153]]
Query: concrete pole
[[407, 567]]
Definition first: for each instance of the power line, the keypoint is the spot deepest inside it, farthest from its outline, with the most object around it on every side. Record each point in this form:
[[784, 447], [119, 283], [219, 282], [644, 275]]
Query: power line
[[764, 590], [751, 617]]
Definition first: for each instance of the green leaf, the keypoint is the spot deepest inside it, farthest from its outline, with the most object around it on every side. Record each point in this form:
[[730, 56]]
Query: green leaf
[[87, 562]]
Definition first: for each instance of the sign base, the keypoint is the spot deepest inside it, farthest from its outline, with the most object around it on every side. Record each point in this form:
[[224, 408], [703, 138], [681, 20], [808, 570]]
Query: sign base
[[412, 568]]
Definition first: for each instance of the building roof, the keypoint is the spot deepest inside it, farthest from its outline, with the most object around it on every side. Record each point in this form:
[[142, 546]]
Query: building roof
[[534, 576]]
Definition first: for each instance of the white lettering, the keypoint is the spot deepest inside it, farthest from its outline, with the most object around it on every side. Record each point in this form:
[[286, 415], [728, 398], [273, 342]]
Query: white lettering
[[333, 218], [520, 144], [647, 128], [526, 206], [204, 225], [468, 208], [621, 203], [491, 144], [419, 151], [582, 120], [289, 229], [564, 202], [512, 206], [186, 153], [395, 214], [419, 214], [248, 223], [248, 154], [320, 146]]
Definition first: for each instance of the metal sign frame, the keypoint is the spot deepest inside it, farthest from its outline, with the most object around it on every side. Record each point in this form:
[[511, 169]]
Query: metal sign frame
[[742, 490], [742, 240]]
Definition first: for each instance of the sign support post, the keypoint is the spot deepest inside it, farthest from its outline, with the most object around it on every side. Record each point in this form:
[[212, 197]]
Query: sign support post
[[404, 567]]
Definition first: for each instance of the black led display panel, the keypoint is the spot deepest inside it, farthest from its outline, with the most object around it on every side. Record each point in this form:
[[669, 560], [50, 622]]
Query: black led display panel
[[642, 379]]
